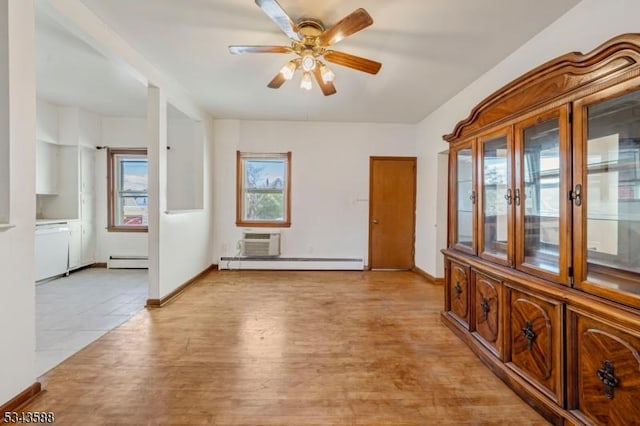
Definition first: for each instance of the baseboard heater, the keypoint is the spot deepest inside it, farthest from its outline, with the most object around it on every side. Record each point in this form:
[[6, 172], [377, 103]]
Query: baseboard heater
[[292, 263], [128, 262]]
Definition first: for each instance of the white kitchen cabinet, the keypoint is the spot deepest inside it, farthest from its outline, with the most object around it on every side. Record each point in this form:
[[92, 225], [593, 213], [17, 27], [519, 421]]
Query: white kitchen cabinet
[[75, 201], [46, 168], [81, 244], [87, 170], [88, 252], [75, 244]]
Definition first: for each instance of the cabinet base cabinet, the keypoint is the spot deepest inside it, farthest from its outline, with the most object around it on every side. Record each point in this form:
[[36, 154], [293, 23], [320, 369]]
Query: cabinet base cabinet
[[535, 341], [604, 385], [553, 413], [487, 311], [572, 357], [457, 293]]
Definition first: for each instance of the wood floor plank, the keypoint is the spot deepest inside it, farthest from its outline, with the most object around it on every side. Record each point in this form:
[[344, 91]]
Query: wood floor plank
[[285, 348]]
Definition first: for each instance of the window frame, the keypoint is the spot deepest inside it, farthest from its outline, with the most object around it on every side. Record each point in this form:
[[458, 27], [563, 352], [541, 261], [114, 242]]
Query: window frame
[[240, 190], [111, 189]]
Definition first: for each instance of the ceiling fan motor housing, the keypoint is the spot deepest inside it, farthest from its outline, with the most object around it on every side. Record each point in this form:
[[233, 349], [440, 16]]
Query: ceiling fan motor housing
[[310, 41]]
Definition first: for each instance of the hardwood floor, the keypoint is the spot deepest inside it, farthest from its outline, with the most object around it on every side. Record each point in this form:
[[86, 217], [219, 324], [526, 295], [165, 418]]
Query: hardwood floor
[[285, 348]]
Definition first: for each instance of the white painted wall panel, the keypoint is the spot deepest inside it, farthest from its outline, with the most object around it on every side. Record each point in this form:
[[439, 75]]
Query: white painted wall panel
[[116, 132], [330, 180], [47, 121], [18, 111]]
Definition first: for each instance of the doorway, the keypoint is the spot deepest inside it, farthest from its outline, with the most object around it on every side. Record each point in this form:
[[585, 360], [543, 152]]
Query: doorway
[[392, 207]]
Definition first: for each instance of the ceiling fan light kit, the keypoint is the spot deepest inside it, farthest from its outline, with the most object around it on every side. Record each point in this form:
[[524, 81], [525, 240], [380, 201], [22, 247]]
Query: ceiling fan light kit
[[288, 70], [310, 42], [305, 83]]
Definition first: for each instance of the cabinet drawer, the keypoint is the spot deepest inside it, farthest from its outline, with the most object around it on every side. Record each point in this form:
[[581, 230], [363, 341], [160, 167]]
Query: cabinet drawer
[[535, 342], [458, 292], [488, 312], [605, 376]]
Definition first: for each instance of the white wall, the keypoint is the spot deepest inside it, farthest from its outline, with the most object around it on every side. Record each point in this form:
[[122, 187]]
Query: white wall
[[184, 164], [46, 121], [117, 132], [329, 186], [89, 129], [4, 117], [179, 242], [583, 28], [18, 111]]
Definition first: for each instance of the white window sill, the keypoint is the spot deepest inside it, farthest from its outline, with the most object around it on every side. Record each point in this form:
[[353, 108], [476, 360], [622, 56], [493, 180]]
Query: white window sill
[[6, 226]]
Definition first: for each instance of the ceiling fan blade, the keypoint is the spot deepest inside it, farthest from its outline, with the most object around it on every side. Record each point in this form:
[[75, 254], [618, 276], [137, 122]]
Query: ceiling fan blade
[[350, 24], [277, 81], [240, 50], [327, 88], [280, 17], [352, 61]]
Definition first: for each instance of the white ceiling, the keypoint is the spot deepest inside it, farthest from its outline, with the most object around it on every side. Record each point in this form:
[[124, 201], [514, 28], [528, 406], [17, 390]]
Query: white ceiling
[[72, 73], [430, 50]]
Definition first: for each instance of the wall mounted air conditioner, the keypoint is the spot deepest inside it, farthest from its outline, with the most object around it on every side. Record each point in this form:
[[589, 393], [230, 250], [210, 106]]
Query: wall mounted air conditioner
[[257, 244]]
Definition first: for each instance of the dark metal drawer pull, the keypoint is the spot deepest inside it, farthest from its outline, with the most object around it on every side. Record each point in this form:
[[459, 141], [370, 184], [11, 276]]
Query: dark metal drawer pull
[[529, 334], [606, 376], [485, 307], [457, 289]]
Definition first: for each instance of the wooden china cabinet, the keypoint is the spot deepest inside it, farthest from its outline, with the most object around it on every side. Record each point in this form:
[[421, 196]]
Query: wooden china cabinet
[[543, 258]]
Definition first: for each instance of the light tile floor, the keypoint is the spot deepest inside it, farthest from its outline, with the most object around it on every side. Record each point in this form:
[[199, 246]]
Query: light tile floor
[[73, 311]]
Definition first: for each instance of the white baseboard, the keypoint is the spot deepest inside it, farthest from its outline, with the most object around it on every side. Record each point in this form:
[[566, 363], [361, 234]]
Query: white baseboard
[[292, 263], [128, 262]]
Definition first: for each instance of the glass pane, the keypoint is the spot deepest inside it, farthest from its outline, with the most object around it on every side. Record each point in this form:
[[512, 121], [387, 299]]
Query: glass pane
[[495, 184], [134, 175], [264, 182], [541, 198], [465, 193], [613, 193], [132, 186], [264, 206], [133, 210], [264, 173]]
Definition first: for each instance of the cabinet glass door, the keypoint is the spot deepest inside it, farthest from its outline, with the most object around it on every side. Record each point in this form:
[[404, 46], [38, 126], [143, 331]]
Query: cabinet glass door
[[464, 228], [607, 195], [497, 198], [540, 196]]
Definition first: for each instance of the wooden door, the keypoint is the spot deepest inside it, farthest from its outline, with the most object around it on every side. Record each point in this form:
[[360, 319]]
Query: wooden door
[[542, 175], [392, 206], [458, 292], [535, 341], [488, 313], [462, 197], [604, 379], [495, 196]]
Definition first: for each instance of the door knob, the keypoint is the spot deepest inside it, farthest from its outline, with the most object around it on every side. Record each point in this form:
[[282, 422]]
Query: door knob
[[375, 221]]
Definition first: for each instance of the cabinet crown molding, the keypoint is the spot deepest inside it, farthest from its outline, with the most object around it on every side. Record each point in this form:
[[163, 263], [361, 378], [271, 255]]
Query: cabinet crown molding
[[568, 74]]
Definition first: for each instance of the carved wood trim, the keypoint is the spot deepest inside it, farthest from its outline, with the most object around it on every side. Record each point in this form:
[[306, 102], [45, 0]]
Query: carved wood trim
[[553, 80], [549, 349], [624, 343]]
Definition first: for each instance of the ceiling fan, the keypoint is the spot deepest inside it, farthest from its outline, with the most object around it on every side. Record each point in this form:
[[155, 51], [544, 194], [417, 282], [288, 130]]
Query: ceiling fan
[[310, 41]]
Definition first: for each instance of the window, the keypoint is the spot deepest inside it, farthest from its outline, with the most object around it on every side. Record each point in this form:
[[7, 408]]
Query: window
[[263, 189], [127, 175]]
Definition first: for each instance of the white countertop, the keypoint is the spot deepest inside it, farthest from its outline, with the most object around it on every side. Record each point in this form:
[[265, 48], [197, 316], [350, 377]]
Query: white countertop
[[51, 221]]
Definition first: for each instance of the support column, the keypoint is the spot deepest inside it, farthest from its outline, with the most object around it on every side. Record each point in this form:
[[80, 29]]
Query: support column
[[157, 157], [18, 205]]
